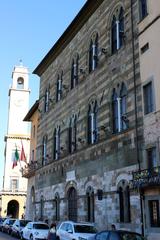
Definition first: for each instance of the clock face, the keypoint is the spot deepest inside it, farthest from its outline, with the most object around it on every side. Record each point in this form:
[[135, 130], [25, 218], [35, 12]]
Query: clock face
[[19, 102]]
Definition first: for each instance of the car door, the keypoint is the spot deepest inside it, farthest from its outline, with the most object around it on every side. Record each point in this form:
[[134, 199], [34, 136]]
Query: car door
[[69, 231], [62, 231], [28, 231]]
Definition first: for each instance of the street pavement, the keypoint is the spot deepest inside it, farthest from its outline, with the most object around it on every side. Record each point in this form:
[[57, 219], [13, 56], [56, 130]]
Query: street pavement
[[4, 236]]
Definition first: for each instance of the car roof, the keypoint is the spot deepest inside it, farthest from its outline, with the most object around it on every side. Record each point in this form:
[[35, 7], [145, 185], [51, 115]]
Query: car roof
[[78, 223], [121, 231]]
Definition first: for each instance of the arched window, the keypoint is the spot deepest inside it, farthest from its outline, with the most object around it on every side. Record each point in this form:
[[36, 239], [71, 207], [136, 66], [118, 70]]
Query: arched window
[[90, 204], [72, 135], [44, 151], [117, 30], [93, 54], [119, 109], [74, 72], [56, 142], [59, 88], [57, 207], [92, 123], [72, 204], [46, 100], [20, 83], [124, 202]]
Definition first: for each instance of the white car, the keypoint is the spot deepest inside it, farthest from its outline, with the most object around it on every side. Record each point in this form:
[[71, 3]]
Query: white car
[[35, 231], [69, 230]]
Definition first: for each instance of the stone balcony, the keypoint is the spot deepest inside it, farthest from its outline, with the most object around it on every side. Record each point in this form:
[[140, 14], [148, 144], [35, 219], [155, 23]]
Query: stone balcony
[[146, 177]]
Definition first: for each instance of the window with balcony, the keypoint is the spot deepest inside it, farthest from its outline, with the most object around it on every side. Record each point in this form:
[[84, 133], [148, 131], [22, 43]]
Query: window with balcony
[[148, 98], [143, 9], [93, 53], [72, 135], [119, 109], [92, 123], [74, 72], [117, 33], [151, 157], [56, 143]]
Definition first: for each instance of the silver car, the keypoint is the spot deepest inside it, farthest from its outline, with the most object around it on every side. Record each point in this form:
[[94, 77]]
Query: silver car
[[69, 230]]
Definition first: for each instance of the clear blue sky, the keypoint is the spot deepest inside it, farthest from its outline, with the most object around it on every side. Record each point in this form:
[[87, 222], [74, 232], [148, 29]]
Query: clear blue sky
[[28, 29]]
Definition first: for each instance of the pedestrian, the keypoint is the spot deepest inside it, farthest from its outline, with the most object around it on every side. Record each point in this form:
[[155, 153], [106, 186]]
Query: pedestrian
[[52, 232], [113, 227]]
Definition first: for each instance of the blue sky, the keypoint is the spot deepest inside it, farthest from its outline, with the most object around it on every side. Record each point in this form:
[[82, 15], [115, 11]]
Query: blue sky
[[28, 29]]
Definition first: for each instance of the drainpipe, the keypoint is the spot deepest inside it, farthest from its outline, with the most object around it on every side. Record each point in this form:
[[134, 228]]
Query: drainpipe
[[136, 117]]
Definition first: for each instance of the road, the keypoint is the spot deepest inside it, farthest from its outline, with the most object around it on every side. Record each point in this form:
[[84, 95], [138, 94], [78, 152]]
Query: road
[[4, 236]]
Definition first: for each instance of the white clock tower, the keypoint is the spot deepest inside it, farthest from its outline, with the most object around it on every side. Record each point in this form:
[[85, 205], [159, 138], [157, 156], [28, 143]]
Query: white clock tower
[[13, 195]]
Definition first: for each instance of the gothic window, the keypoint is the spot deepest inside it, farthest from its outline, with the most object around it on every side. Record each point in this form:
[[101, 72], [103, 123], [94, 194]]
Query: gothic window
[[56, 142], [72, 132], [119, 109], [117, 32], [148, 98], [20, 83], [59, 88], [74, 72], [143, 9], [93, 54], [44, 151], [90, 204], [57, 207], [124, 202], [92, 123], [46, 100], [72, 204]]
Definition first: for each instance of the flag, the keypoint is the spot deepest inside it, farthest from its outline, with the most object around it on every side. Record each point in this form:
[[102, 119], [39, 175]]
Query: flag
[[16, 158], [23, 156]]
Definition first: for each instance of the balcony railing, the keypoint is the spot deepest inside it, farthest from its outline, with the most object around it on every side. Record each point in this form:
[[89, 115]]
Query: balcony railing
[[29, 170], [146, 177]]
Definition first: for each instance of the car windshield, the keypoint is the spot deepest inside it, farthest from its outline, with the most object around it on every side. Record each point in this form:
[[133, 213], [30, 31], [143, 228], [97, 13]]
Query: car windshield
[[23, 223], [130, 236], [84, 229], [40, 226]]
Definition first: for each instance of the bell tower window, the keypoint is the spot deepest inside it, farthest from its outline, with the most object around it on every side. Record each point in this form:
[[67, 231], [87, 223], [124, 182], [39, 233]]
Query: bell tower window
[[20, 83]]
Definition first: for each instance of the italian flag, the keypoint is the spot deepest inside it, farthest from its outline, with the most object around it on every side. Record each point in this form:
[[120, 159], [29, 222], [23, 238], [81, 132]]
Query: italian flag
[[16, 158]]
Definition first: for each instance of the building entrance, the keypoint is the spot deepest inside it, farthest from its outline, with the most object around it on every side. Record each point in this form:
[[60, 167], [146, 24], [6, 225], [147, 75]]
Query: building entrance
[[13, 209]]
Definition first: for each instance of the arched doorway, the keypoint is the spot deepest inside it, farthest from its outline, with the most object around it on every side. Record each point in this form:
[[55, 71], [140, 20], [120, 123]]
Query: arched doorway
[[13, 209], [32, 204], [72, 204]]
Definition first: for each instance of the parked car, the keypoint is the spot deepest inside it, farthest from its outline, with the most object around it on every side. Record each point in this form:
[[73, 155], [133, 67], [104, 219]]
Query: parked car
[[35, 230], [69, 230], [7, 225], [1, 222], [18, 226], [117, 235]]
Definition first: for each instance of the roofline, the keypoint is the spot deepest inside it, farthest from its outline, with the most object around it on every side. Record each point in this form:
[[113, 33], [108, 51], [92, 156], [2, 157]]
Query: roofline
[[31, 111], [77, 23]]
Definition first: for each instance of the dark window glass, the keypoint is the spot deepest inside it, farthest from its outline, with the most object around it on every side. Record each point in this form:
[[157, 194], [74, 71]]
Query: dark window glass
[[59, 88], [148, 98], [143, 8], [123, 97], [115, 111], [90, 205], [84, 229], [40, 226], [102, 236], [74, 73], [151, 156], [56, 143], [72, 204], [72, 135], [92, 124], [121, 28], [154, 213], [124, 204], [44, 151], [93, 54], [46, 101]]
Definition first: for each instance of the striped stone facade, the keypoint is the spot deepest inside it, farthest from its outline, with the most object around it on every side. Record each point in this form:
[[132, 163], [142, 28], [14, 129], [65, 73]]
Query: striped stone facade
[[107, 164]]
